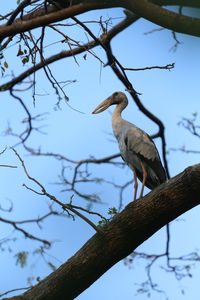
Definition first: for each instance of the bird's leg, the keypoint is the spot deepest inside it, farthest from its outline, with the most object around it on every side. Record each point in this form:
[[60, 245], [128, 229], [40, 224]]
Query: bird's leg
[[144, 173], [135, 184]]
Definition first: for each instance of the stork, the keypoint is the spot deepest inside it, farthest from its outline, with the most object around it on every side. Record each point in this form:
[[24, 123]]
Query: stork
[[136, 147]]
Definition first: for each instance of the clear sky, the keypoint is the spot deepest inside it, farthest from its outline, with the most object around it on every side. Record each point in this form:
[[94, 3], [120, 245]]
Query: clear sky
[[170, 95]]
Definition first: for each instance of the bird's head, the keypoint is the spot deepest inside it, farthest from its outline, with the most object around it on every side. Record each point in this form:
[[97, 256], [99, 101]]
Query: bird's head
[[115, 98]]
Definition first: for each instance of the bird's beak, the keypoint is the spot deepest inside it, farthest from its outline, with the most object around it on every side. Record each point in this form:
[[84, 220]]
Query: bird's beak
[[102, 106]]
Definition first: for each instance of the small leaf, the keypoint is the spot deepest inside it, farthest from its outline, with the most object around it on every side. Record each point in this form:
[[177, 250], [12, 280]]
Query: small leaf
[[25, 60], [112, 211], [5, 64], [21, 258]]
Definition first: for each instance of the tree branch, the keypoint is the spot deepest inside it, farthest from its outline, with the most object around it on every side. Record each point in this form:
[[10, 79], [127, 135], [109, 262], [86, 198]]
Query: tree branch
[[104, 38], [164, 17], [187, 3], [60, 15], [143, 8], [136, 223]]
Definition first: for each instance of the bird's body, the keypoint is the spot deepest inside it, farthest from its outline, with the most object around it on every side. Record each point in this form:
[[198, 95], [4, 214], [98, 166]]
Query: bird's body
[[136, 147]]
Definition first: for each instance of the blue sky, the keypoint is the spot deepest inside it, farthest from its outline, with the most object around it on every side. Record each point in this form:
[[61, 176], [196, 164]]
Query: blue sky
[[170, 95]]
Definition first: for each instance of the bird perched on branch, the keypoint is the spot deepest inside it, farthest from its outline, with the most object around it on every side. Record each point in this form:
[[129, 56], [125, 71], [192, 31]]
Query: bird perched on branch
[[136, 147]]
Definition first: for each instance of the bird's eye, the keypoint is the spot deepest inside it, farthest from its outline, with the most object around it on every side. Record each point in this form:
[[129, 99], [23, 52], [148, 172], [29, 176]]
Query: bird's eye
[[115, 94]]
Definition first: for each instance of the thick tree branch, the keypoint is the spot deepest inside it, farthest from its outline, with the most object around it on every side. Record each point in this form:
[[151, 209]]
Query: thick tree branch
[[136, 223], [64, 3], [6, 31], [142, 8], [164, 17], [187, 3]]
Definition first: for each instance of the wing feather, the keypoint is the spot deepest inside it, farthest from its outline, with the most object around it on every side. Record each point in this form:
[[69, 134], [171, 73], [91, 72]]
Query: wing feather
[[138, 142], [141, 143]]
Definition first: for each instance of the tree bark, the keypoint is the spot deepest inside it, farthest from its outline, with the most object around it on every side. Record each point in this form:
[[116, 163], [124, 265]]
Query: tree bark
[[143, 8], [128, 229], [163, 17]]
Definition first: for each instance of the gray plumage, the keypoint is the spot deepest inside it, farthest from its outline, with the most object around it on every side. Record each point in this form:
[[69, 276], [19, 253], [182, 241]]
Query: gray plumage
[[136, 147]]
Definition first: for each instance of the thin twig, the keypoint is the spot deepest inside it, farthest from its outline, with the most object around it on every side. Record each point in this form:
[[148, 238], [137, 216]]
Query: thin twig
[[166, 67], [8, 166], [15, 290], [53, 198]]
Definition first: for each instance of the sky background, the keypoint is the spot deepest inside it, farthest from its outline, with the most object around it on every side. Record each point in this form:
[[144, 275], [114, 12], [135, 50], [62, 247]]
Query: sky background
[[170, 95]]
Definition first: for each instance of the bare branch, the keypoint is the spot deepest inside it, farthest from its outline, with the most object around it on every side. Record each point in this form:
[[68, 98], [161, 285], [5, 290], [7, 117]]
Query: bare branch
[[8, 166], [167, 67], [142, 8], [163, 17], [28, 131], [25, 233], [128, 229], [53, 198], [15, 290], [15, 28], [72, 52]]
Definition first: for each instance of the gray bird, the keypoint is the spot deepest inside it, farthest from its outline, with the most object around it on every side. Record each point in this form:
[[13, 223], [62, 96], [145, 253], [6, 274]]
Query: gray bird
[[136, 147]]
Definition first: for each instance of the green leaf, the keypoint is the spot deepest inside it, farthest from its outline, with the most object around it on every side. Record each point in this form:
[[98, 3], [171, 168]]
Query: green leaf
[[25, 60], [5, 64], [21, 258], [112, 211]]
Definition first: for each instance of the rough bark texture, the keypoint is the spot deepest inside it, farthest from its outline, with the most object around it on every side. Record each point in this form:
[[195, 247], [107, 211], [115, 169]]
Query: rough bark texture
[[136, 223]]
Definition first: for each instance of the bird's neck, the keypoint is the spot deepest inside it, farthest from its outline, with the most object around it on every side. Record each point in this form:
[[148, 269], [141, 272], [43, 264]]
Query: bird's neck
[[117, 111], [117, 118]]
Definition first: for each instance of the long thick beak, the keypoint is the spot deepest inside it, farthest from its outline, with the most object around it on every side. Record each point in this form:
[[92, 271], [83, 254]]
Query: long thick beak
[[102, 106]]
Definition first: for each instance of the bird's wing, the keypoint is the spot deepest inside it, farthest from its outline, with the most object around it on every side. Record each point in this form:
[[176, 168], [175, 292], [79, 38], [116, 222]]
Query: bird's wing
[[138, 142]]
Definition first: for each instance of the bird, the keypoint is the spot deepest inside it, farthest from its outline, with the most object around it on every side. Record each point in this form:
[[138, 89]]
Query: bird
[[137, 149]]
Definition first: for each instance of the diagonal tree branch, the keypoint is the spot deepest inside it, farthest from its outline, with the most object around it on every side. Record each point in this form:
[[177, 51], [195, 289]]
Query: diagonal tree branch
[[164, 17], [64, 3], [60, 15], [136, 223], [143, 8]]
